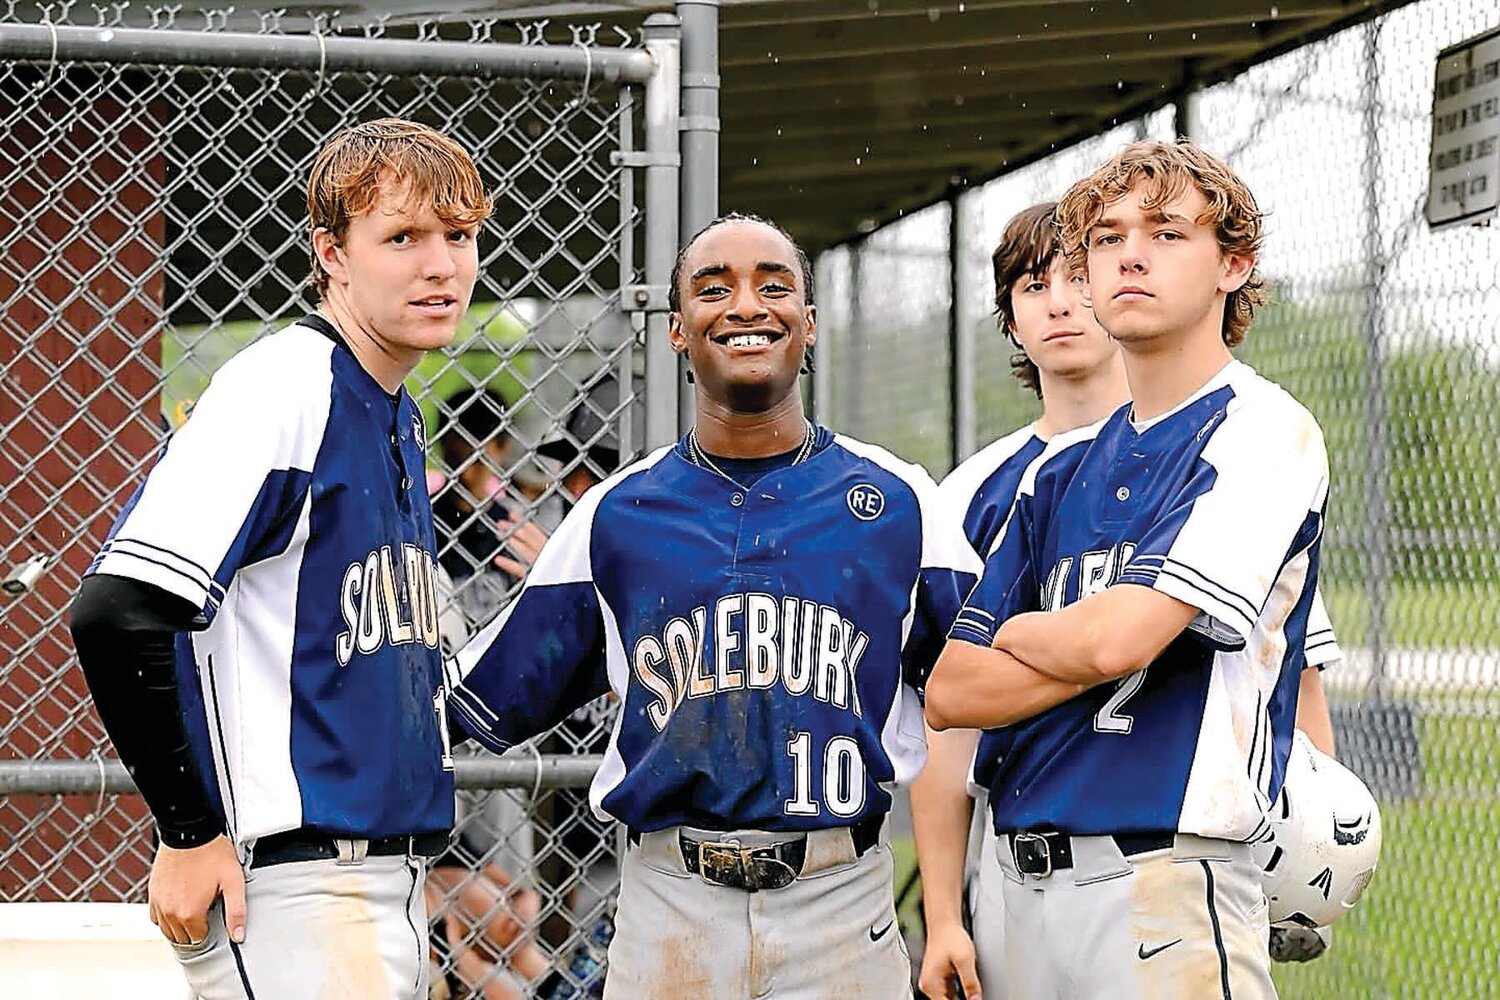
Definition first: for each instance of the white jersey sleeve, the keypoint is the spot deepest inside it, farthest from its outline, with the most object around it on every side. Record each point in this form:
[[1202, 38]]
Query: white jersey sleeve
[[1322, 646], [1254, 505], [242, 461]]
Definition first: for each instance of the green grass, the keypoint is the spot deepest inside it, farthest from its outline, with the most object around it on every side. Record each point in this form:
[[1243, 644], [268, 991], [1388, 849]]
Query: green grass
[[1423, 615], [1429, 925]]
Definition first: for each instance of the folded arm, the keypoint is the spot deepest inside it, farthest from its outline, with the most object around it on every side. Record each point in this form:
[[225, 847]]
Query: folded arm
[[1103, 637], [980, 688]]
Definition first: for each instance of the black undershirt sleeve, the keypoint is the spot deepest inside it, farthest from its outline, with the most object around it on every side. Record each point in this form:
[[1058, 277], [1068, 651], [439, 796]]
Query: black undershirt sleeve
[[124, 631]]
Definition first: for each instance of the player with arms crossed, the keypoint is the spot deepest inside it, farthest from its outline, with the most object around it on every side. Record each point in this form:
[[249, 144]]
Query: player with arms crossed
[[1139, 629], [763, 597], [1075, 369], [292, 750]]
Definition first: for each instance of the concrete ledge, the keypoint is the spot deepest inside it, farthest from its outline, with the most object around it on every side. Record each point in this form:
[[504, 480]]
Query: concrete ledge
[[86, 950]]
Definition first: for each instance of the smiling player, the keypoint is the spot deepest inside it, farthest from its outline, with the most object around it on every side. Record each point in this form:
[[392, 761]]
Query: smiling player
[[763, 597]]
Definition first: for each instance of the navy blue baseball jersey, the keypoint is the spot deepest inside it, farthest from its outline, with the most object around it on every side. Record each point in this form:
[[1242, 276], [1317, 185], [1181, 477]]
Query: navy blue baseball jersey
[[1219, 504], [766, 643], [983, 488], [292, 508]]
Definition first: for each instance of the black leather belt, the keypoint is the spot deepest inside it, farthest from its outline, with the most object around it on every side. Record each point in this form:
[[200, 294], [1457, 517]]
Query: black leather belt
[[775, 866], [1043, 852], [313, 845]]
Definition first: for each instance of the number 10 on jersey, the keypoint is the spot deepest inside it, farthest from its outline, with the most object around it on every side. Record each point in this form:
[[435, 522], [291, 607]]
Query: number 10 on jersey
[[843, 776]]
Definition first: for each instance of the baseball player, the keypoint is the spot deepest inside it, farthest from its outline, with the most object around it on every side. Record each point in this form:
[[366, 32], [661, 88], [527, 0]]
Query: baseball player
[[763, 597], [259, 631], [1075, 369], [1140, 626]]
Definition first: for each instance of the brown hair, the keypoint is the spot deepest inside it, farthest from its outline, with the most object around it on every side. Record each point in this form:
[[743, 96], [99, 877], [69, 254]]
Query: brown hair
[[1167, 169], [1026, 249], [359, 162]]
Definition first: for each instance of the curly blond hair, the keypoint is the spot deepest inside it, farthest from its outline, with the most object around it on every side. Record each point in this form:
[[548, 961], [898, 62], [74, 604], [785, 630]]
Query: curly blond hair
[[359, 162], [1167, 169]]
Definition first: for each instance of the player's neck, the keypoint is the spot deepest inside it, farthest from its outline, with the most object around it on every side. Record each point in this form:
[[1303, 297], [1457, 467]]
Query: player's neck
[[1165, 370], [732, 434], [1068, 403], [387, 365]]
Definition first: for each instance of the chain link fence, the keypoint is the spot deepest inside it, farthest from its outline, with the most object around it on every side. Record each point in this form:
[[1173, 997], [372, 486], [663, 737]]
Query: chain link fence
[[1387, 332], [157, 225]]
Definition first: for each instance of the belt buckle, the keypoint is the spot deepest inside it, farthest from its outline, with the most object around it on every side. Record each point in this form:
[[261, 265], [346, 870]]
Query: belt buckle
[[1044, 852], [764, 869], [722, 862]]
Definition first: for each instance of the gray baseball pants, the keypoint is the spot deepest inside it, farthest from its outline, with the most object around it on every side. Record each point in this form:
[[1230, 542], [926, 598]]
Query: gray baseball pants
[[1184, 923], [319, 929], [829, 935]]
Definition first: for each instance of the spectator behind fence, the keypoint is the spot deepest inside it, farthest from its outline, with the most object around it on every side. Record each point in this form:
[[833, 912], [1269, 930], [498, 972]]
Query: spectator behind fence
[[575, 865]]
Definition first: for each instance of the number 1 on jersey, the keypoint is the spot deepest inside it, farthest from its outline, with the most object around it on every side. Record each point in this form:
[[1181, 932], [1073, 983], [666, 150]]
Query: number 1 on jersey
[[440, 706], [843, 777]]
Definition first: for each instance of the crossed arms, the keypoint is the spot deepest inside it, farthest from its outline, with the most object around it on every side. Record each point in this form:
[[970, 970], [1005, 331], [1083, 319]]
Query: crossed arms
[[1043, 658]]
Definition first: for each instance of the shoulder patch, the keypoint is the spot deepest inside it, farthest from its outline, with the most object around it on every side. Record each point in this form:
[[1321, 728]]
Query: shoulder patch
[[865, 501]]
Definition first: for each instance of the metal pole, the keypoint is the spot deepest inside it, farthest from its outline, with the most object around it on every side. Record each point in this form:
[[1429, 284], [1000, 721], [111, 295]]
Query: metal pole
[[700, 113], [663, 36], [700, 136], [1184, 113], [854, 397], [109, 777], [320, 53], [961, 347], [1377, 519]]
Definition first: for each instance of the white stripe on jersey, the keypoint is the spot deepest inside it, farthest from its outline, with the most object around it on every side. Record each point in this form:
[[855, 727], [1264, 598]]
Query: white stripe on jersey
[[612, 769], [1220, 780], [225, 451], [250, 646]]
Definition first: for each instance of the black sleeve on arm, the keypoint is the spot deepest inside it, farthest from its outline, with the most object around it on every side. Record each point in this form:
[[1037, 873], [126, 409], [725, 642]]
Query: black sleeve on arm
[[124, 631]]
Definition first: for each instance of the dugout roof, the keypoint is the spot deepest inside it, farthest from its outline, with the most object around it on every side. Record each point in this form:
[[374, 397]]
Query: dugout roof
[[840, 115]]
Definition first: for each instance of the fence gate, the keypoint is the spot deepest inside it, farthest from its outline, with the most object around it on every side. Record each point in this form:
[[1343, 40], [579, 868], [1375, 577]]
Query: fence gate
[[152, 177]]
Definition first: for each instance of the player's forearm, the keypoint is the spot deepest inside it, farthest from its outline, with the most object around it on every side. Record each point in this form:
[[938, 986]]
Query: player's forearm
[[980, 688], [124, 633], [1313, 717], [941, 813], [1101, 638]]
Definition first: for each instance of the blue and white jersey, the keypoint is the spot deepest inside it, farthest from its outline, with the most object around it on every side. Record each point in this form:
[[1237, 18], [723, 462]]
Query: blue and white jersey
[[1218, 503], [292, 508], [766, 644], [983, 487]]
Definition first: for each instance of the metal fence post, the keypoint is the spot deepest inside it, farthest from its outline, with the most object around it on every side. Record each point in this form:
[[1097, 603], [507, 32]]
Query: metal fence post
[[663, 36], [962, 353], [1376, 492], [700, 132]]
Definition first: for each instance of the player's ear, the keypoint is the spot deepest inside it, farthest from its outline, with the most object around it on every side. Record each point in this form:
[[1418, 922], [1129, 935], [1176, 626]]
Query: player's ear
[[674, 333], [1234, 271], [810, 321], [329, 254]]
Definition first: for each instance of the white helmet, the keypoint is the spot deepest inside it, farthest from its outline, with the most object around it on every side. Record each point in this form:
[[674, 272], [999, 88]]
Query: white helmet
[[1325, 840]]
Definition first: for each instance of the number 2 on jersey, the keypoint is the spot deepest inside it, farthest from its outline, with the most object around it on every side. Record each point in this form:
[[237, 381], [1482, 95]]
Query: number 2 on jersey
[[843, 777], [1110, 719]]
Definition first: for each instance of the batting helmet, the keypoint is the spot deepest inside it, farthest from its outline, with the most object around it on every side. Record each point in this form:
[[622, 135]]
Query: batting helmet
[[1325, 840]]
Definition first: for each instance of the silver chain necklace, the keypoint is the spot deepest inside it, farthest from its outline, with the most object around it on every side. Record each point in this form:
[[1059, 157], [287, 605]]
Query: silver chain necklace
[[700, 458]]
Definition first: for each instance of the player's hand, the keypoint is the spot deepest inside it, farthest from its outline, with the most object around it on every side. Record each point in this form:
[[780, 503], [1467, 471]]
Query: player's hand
[[185, 883], [1295, 943], [947, 963], [525, 541]]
